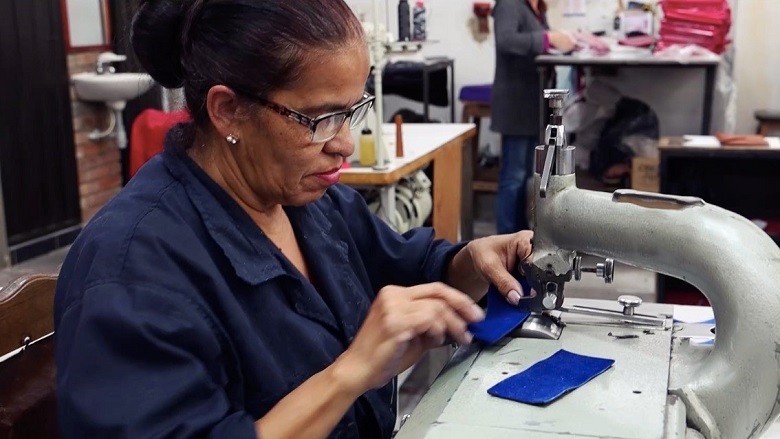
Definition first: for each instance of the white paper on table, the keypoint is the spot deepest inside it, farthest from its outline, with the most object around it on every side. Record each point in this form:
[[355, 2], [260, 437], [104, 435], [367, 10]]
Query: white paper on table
[[575, 8], [693, 141], [702, 341], [693, 314]]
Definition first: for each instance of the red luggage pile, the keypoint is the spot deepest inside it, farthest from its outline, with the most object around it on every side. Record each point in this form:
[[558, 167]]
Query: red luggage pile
[[705, 23]]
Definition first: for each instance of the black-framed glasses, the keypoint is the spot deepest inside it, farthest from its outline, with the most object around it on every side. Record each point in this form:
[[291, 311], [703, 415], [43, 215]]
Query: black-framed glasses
[[325, 126]]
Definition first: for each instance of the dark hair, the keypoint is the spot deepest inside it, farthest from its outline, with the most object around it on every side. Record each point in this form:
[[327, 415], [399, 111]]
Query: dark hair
[[254, 46]]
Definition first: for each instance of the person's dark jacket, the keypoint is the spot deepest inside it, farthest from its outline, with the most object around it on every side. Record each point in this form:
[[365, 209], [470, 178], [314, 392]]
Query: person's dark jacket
[[519, 39], [177, 317]]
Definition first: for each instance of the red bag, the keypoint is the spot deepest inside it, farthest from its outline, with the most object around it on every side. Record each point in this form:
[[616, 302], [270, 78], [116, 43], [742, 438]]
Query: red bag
[[147, 135]]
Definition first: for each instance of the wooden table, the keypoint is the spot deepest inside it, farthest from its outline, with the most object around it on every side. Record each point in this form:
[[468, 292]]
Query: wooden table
[[440, 144]]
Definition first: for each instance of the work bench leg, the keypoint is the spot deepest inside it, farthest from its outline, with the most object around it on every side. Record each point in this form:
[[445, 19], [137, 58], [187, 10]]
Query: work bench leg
[[447, 184]]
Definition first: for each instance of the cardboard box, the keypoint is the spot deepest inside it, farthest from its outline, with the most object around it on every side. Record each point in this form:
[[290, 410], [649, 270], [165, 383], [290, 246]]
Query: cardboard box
[[644, 174]]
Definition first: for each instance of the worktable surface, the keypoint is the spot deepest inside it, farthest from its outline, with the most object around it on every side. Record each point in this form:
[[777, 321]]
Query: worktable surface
[[625, 57], [421, 141], [710, 143], [486, 423]]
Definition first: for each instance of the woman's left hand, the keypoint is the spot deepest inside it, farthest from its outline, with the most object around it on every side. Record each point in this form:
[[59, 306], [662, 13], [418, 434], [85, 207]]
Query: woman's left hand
[[494, 258]]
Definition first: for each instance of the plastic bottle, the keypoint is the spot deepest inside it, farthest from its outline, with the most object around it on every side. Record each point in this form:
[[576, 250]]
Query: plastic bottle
[[404, 33], [418, 14], [367, 151]]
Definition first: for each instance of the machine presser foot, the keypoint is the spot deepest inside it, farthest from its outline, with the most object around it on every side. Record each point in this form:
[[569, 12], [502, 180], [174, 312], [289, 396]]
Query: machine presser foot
[[540, 325]]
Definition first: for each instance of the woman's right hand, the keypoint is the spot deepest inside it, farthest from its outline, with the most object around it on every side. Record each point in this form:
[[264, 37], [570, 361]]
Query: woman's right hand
[[403, 323], [562, 41]]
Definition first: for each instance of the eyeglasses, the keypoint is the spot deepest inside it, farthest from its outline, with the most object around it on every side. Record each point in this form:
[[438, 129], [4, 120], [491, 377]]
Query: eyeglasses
[[325, 126]]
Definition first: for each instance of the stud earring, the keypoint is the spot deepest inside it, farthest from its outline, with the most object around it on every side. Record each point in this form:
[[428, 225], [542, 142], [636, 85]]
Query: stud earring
[[231, 139]]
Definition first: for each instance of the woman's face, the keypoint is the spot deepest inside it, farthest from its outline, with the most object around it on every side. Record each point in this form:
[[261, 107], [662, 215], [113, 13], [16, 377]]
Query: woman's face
[[275, 154]]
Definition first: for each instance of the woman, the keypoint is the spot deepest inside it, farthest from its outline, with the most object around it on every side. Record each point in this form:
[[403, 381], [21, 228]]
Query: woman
[[233, 289], [522, 33]]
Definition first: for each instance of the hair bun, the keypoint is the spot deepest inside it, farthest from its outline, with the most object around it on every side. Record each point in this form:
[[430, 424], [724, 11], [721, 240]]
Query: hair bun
[[156, 39]]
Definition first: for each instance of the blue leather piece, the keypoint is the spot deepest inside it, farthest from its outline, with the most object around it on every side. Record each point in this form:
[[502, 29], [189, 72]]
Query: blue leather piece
[[551, 378], [501, 317]]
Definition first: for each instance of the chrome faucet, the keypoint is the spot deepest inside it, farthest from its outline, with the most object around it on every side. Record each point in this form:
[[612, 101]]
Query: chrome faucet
[[104, 61]]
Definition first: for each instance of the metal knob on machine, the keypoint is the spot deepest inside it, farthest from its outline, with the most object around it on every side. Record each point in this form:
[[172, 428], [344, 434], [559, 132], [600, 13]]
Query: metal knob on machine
[[604, 270], [629, 303]]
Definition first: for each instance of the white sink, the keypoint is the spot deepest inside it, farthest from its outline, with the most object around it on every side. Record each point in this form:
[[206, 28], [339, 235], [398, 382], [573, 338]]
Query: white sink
[[114, 89]]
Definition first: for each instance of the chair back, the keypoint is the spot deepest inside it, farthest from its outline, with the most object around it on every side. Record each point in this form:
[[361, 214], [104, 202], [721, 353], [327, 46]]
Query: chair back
[[28, 406]]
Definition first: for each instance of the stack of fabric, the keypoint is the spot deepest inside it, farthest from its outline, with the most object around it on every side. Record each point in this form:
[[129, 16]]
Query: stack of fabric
[[705, 23]]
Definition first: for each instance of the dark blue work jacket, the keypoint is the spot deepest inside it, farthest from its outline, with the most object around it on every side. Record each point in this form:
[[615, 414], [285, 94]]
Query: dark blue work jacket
[[176, 317]]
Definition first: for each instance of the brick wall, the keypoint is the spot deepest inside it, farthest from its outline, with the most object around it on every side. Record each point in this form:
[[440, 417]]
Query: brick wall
[[99, 166]]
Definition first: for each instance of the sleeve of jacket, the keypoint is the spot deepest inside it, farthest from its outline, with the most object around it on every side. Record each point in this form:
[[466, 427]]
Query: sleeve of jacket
[[511, 38], [390, 258], [138, 363]]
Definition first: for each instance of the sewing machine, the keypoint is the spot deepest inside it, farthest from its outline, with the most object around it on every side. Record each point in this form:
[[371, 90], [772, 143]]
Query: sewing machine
[[662, 384]]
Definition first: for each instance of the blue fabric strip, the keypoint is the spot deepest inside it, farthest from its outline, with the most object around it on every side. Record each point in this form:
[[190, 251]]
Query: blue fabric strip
[[551, 378], [501, 317]]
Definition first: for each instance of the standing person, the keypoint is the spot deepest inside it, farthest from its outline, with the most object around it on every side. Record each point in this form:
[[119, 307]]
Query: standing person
[[522, 33], [233, 289]]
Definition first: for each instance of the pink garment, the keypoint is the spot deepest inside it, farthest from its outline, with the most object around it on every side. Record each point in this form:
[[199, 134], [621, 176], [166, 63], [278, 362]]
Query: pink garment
[[639, 41], [546, 43], [589, 41]]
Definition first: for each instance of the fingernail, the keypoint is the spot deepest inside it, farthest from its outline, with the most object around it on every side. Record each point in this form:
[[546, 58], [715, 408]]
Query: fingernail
[[513, 297], [469, 337], [478, 312]]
